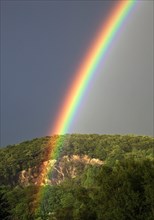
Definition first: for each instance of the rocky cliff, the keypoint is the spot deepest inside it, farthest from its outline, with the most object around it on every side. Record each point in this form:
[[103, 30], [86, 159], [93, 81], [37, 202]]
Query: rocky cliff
[[66, 167]]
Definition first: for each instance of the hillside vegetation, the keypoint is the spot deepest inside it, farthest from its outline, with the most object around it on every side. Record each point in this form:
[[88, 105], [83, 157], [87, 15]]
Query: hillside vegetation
[[92, 177]]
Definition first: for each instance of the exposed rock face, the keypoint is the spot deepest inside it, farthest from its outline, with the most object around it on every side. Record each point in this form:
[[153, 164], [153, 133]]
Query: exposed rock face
[[36, 175], [66, 167], [70, 167]]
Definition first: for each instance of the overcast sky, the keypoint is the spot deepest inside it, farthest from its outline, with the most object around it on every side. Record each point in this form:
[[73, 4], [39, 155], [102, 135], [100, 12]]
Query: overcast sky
[[42, 44]]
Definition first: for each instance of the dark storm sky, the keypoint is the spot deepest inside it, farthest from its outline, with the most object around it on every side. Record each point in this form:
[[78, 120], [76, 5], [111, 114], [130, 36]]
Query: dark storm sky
[[42, 44]]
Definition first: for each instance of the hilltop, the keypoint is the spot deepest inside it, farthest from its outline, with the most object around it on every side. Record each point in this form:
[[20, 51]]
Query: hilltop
[[93, 177]]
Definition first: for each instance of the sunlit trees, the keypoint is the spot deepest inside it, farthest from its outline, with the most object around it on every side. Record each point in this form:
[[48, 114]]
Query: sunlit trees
[[120, 187]]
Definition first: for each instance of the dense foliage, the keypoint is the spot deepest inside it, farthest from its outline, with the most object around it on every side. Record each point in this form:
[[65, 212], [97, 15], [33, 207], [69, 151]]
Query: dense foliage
[[122, 188]]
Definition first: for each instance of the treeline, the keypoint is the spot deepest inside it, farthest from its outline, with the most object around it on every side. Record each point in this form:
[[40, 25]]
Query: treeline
[[122, 192], [121, 188]]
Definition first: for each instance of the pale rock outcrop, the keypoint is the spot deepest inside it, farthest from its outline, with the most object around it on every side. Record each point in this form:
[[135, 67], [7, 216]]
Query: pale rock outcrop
[[54, 172]]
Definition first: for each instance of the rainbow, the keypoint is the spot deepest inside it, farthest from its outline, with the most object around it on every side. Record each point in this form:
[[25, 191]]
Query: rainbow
[[84, 74], [88, 67]]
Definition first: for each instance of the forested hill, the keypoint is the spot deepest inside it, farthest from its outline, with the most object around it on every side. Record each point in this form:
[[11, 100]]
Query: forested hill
[[93, 177]]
